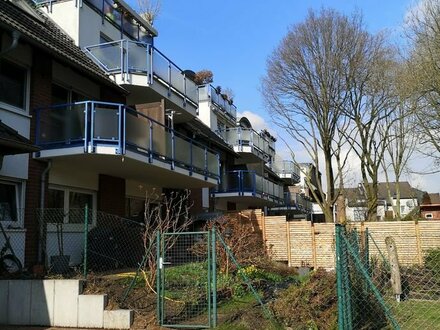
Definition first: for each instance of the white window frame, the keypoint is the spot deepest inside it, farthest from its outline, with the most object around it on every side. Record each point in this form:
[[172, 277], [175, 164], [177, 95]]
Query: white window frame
[[19, 201], [25, 110], [67, 190], [429, 216]]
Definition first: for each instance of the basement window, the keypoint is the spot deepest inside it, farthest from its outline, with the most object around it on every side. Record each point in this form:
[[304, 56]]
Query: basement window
[[428, 216], [10, 203]]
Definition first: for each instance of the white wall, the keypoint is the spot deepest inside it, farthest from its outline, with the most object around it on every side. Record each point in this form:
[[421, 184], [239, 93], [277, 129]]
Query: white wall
[[91, 25], [66, 15]]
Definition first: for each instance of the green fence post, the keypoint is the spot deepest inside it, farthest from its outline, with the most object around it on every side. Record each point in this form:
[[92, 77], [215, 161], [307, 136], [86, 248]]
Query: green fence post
[[86, 235], [214, 278], [367, 251], [209, 279], [158, 279], [339, 277]]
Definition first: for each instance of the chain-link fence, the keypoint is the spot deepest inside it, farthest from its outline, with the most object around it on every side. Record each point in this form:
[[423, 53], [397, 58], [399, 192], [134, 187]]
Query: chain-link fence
[[375, 290], [81, 241]]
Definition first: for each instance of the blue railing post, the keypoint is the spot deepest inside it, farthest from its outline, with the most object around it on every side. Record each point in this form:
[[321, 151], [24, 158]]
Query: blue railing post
[[191, 165], [120, 130], [86, 131], [206, 163], [92, 127], [169, 78], [151, 151], [173, 150], [218, 168]]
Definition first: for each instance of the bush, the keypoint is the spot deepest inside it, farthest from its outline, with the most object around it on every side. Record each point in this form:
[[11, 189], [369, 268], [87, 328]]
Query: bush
[[310, 305], [432, 260]]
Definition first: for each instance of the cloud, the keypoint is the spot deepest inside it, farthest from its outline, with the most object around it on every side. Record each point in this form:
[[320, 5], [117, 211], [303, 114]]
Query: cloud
[[258, 122]]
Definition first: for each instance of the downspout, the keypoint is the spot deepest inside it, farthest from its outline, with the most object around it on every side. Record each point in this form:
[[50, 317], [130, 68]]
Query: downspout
[[42, 241], [14, 43]]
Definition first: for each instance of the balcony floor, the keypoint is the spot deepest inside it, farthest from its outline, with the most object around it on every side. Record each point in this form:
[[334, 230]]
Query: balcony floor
[[258, 200], [130, 166]]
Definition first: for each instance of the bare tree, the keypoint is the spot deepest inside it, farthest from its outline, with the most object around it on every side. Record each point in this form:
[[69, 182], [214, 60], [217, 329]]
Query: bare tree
[[306, 91], [149, 9], [423, 30], [372, 102], [163, 213], [400, 147]]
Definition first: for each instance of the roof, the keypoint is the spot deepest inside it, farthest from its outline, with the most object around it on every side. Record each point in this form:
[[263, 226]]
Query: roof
[[40, 31], [12, 143], [406, 191], [431, 199]]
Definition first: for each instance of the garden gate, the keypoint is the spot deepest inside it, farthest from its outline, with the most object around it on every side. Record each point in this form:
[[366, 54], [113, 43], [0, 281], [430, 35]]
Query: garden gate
[[186, 279]]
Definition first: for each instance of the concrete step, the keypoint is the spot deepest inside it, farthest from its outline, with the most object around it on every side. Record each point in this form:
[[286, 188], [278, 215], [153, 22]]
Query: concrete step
[[118, 319], [91, 310], [66, 302]]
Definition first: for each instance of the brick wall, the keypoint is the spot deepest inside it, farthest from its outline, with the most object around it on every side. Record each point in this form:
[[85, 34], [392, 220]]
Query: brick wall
[[40, 95]]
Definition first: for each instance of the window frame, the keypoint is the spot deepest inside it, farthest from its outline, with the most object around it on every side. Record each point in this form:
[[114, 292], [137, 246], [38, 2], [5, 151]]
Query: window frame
[[66, 205], [429, 216], [26, 92], [19, 203], [70, 90]]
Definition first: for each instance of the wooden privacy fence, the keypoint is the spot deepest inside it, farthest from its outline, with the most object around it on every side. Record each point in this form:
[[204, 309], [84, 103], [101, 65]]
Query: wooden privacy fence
[[301, 243]]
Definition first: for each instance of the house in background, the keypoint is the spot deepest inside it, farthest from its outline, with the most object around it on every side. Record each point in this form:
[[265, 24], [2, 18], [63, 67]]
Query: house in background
[[430, 206], [410, 199]]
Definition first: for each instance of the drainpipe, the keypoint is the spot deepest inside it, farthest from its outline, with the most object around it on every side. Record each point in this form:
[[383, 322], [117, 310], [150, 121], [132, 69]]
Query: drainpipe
[[42, 241], [14, 43]]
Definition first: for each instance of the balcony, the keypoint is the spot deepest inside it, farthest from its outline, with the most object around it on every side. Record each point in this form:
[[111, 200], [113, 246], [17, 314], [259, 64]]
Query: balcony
[[118, 14], [136, 65], [114, 139], [247, 187], [209, 93], [252, 146], [288, 171], [294, 202]]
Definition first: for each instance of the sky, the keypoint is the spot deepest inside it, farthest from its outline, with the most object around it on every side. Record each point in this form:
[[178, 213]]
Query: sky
[[233, 39]]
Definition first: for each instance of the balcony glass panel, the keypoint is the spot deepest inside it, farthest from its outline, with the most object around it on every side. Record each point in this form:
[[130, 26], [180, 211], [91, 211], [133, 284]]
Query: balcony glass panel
[[137, 130], [232, 181], [160, 142], [130, 27], [138, 57], [168, 149], [177, 79], [192, 91], [198, 157], [106, 123], [249, 180], [62, 124], [108, 55], [212, 163], [160, 66], [182, 150]]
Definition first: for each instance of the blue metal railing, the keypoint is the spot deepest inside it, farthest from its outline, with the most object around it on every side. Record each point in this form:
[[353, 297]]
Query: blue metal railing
[[210, 92], [92, 124], [287, 169], [243, 137], [297, 201], [127, 57], [244, 181]]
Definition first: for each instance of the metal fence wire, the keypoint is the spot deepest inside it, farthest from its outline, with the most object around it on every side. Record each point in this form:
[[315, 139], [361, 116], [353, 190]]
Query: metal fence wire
[[80, 241], [375, 291]]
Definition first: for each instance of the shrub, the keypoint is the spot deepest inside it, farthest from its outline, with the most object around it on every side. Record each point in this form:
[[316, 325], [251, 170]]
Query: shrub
[[311, 305]]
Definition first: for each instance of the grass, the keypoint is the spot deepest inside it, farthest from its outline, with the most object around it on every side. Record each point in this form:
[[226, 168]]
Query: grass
[[417, 314]]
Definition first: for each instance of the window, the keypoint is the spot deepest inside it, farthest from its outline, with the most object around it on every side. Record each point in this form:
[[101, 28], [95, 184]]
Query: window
[[428, 216], [402, 209], [11, 197], [71, 202], [134, 208], [61, 95], [12, 84], [103, 38]]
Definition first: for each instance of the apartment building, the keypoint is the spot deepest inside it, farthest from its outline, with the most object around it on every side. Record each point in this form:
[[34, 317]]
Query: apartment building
[[109, 118]]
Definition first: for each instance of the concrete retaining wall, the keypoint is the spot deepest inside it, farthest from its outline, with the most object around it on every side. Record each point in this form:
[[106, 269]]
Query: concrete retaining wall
[[57, 303]]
